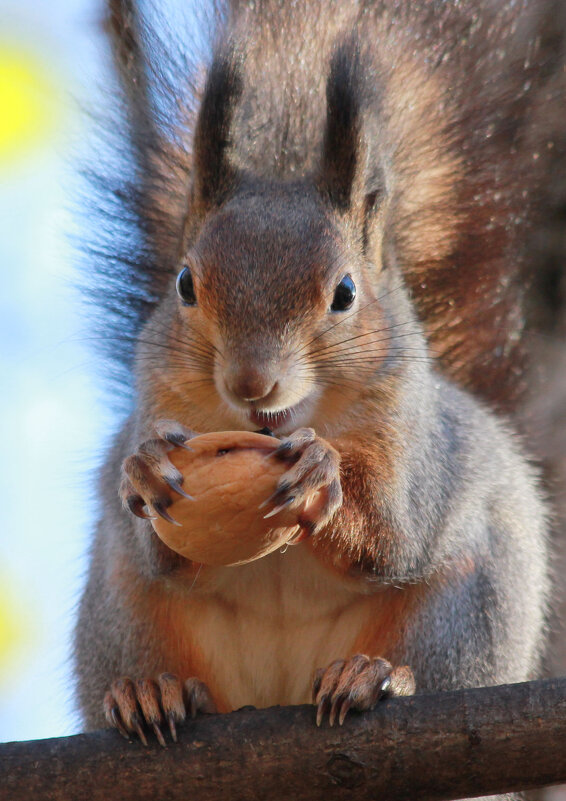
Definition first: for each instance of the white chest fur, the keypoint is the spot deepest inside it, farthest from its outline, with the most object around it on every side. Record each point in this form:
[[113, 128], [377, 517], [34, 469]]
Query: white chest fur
[[263, 629]]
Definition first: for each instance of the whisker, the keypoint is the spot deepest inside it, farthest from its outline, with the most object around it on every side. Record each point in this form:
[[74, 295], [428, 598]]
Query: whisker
[[206, 345], [161, 345], [344, 383], [349, 316], [175, 350], [337, 349], [199, 382], [197, 352], [371, 367]]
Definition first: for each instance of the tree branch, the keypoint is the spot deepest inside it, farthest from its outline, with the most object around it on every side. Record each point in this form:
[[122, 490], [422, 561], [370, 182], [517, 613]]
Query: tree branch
[[430, 747]]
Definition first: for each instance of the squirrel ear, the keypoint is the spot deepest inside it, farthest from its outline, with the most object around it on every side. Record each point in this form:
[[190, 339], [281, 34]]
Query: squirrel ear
[[344, 152], [213, 173]]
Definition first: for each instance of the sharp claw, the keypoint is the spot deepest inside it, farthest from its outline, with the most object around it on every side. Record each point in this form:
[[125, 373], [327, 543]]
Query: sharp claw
[[284, 487], [159, 735], [271, 454], [178, 440], [281, 452], [283, 449], [172, 727], [176, 487], [117, 720], [136, 506], [334, 709], [165, 515], [277, 509], [264, 503], [385, 685], [316, 684], [138, 729], [185, 447], [344, 711], [321, 708]]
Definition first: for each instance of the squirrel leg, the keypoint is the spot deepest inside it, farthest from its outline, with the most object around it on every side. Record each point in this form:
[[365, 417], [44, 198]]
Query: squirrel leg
[[315, 469], [131, 706], [357, 683], [148, 477]]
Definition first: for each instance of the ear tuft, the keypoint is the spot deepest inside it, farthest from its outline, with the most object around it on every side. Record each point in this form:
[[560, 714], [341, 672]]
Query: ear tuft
[[213, 173], [343, 148]]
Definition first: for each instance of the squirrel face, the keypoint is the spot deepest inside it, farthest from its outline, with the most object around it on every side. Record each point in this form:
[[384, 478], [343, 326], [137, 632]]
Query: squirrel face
[[277, 316], [284, 314]]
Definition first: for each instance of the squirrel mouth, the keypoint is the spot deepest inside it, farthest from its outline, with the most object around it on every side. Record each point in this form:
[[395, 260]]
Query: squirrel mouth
[[272, 420], [282, 420]]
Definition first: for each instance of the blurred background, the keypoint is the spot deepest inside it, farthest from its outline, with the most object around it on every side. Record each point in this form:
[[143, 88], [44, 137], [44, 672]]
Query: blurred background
[[53, 420]]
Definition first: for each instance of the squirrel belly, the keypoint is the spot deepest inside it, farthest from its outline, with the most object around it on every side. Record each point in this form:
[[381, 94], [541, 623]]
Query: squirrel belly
[[335, 252], [256, 634]]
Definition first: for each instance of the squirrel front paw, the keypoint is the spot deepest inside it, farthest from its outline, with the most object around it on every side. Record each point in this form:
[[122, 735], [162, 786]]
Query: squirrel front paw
[[316, 469], [148, 477], [133, 706], [357, 683]]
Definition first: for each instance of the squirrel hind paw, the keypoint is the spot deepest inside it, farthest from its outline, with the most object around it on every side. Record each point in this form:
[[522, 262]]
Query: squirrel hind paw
[[135, 707], [357, 683]]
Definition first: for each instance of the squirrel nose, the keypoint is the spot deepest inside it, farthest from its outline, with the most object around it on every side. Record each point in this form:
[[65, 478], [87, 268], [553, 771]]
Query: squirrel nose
[[250, 383]]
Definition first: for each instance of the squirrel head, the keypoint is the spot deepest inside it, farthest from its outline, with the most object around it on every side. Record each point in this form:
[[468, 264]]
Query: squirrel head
[[283, 312]]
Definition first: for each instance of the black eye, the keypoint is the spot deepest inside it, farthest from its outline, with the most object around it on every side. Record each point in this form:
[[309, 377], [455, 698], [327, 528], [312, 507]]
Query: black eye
[[185, 287], [344, 295]]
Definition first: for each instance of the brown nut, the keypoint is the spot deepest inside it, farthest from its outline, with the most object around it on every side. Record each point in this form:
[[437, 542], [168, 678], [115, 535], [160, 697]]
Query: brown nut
[[229, 475]]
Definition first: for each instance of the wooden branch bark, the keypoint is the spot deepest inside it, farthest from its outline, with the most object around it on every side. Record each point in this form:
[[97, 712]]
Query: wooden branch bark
[[430, 747]]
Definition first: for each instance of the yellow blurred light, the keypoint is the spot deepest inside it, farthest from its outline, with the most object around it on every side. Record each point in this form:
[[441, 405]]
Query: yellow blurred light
[[16, 630], [29, 107]]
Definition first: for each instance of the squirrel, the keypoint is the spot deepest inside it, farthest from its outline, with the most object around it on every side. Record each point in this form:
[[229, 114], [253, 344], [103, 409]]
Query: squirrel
[[333, 229]]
